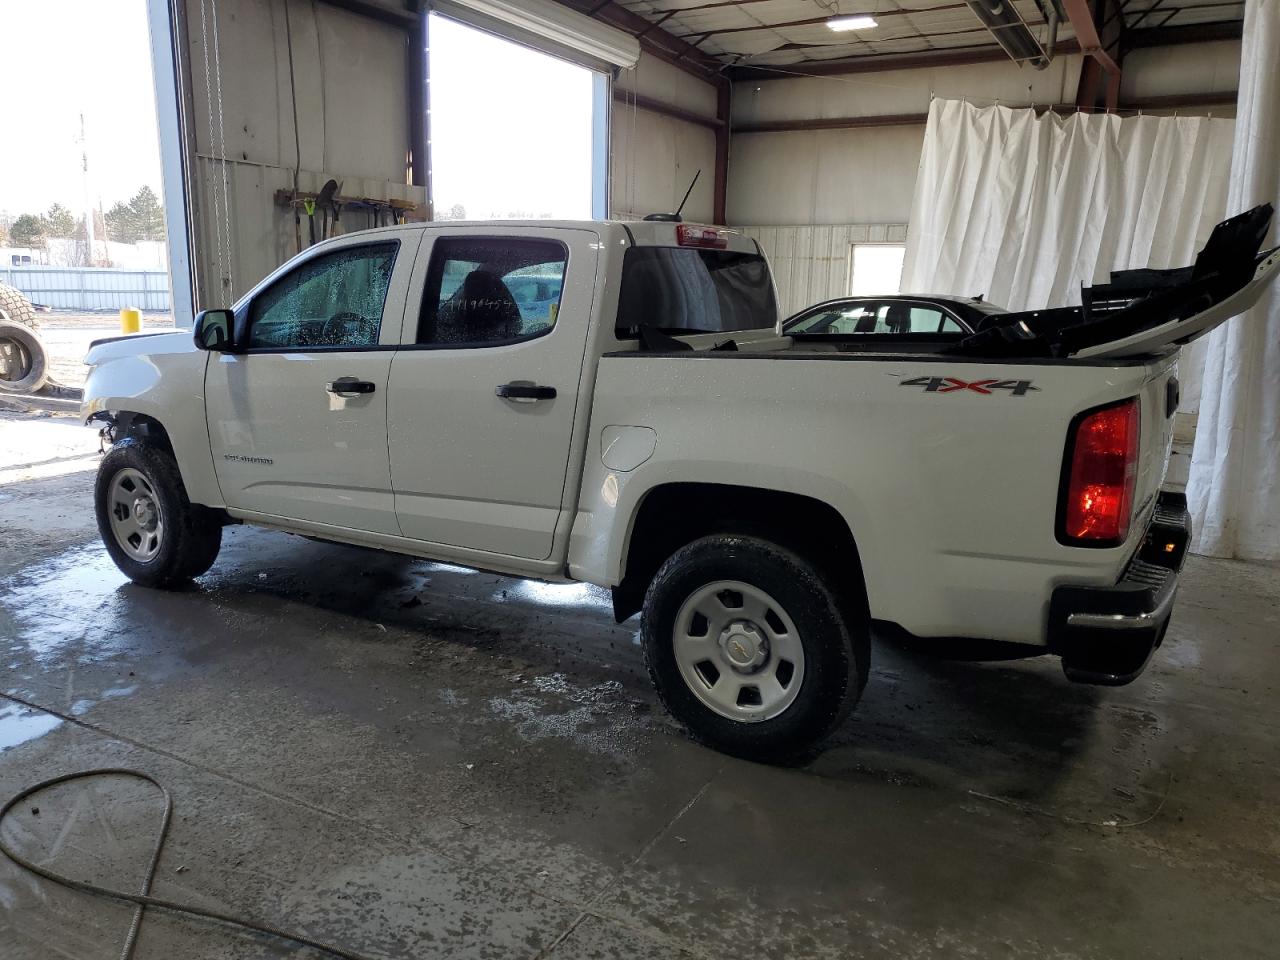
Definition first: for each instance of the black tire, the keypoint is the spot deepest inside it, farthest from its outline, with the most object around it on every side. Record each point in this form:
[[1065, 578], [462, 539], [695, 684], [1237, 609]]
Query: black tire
[[24, 362], [16, 307], [190, 536], [836, 653]]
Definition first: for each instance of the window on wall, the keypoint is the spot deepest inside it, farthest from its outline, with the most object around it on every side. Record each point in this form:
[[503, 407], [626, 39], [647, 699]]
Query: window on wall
[[502, 149], [877, 269]]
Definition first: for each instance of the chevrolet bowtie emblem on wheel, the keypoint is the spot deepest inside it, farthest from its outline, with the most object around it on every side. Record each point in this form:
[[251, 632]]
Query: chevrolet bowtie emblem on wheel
[[1016, 388]]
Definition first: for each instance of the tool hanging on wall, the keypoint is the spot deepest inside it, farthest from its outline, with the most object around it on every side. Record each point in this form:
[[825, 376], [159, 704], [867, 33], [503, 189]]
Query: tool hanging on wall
[[297, 219], [381, 212], [309, 204], [325, 202]]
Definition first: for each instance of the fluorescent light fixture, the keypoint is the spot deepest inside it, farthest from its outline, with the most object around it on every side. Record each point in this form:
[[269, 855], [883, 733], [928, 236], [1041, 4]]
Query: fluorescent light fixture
[[861, 22]]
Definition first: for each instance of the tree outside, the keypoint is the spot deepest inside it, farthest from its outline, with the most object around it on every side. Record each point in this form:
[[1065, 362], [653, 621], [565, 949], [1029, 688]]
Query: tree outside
[[141, 218], [28, 230], [59, 222]]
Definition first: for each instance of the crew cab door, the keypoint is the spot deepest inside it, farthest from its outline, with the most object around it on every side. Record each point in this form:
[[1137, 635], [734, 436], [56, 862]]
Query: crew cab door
[[298, 414], [485, 388]]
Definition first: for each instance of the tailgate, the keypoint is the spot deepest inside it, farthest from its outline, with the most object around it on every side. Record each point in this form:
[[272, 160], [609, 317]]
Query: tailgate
[[1159, 403]]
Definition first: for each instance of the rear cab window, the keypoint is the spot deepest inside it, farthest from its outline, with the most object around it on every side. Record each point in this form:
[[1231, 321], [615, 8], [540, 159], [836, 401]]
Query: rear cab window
[[683, 290]]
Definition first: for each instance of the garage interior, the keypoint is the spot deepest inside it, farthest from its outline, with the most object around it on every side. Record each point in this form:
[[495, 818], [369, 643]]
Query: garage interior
[[408, 759]]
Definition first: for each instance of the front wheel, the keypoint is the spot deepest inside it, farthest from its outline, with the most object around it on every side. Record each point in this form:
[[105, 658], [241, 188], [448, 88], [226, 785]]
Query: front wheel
[[749, 649], [155, 535]]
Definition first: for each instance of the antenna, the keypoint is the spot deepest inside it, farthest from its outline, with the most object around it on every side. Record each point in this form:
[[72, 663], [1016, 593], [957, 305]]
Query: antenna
[[687, 192], [675, 217]]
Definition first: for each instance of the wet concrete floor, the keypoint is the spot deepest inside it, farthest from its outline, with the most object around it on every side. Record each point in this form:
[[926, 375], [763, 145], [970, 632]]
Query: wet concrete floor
[[413, 760]]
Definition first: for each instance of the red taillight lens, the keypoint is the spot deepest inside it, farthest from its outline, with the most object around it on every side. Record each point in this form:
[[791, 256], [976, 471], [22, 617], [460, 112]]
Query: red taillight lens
[[1104, 470], [689, 235]]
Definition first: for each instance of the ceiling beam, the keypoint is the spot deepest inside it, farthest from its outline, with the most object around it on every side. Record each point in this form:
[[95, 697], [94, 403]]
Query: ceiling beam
[[1171, 102], [625, 98], [1080, 15], [1192, 33], [875, 63]]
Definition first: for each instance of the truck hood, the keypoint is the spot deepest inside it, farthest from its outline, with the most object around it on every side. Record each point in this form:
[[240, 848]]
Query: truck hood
[[1145, 311], [139, 344]]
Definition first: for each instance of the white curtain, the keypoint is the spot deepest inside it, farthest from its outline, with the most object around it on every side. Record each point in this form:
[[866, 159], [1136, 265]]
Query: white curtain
[[1025, 209], [1234, 486]]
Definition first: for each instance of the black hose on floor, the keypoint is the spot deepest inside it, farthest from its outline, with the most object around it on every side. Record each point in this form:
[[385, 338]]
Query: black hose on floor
[[143, 899]]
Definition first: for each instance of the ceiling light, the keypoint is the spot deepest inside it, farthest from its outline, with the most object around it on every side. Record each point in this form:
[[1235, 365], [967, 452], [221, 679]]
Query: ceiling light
[[851, 23]]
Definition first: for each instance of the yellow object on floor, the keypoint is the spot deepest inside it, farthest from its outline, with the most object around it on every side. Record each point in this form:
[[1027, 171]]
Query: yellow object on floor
[[130, 320]]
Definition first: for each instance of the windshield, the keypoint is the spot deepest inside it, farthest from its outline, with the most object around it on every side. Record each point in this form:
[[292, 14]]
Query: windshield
[[679, 290]]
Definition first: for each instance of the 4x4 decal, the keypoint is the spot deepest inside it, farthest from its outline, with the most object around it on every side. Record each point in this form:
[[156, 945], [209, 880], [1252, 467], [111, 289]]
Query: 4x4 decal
[[1016, 388]]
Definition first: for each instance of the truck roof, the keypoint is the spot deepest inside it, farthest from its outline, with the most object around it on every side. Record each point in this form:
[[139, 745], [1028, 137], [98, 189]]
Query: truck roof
[[643, 233]]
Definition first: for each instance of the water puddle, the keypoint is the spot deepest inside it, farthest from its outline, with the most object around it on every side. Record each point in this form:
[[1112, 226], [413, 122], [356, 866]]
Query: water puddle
[[18, 725], [81, 707], [557, 595]]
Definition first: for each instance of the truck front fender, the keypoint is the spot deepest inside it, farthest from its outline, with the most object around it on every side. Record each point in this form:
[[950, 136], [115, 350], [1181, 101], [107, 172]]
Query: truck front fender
[[167, 388]]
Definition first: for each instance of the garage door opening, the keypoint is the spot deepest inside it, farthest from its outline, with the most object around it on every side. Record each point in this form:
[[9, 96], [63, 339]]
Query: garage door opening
[[511, 128]]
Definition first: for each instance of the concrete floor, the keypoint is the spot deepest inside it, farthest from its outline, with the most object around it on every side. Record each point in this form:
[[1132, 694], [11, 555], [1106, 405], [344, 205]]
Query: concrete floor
[[417, 761]]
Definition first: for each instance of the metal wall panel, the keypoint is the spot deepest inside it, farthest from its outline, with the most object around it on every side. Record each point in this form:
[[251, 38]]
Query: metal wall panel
[[814, 263]]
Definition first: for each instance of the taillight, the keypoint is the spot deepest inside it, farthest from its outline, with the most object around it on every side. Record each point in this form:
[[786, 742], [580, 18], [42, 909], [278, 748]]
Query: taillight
[[690, 235], [1103, 470]]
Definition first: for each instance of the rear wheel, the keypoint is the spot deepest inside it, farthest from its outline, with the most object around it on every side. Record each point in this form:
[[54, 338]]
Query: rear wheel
[[155, 535], [749, 648]]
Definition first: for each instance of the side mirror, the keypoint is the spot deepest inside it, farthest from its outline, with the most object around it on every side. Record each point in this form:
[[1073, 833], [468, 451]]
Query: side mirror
[[215, 330]]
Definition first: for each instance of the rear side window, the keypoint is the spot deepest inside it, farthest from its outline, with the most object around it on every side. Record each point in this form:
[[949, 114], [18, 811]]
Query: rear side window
[[680, 290], [873, 317], [491, 290], [332, 301]]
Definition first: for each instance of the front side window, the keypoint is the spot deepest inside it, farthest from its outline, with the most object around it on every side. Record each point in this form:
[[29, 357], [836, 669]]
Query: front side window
[[332, 301], [679, 290], [490, 290]]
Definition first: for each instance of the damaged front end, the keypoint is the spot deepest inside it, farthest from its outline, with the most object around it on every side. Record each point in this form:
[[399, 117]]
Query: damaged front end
[[1145, 310]]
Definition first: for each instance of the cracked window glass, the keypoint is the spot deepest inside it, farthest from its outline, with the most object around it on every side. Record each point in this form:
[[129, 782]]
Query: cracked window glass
[[331, 301], [491, 290]]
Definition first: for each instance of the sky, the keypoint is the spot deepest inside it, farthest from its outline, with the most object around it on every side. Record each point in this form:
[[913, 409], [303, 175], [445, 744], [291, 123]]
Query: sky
[[499, 148], [62, 58]]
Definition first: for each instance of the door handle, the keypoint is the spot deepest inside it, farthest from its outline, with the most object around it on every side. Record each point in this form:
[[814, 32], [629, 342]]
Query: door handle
[[525, 391], [350, 386]]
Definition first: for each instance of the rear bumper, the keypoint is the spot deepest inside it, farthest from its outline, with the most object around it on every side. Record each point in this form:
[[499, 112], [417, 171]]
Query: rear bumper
[[1106, 635]]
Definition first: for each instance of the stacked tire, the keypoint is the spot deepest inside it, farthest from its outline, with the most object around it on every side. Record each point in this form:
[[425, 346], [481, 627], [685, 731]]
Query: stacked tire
[[24, 361]]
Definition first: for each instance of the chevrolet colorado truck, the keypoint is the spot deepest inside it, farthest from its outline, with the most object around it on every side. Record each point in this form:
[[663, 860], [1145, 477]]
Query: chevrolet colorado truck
[[616, 403]]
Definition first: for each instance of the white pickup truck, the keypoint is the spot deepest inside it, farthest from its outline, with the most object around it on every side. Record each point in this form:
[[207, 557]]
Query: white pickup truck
[[613, 403]]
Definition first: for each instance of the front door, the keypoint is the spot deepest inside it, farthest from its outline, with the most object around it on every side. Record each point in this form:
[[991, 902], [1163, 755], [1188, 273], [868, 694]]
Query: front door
[[298, 415], [485, 389]]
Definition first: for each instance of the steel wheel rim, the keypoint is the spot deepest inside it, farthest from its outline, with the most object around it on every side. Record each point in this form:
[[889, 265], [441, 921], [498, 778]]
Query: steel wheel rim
[[136, 520], [738, 651], [23, 357]]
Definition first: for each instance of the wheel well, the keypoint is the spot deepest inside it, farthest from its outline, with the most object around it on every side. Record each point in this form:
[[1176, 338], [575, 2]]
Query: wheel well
[[675, 514], [141, 427]]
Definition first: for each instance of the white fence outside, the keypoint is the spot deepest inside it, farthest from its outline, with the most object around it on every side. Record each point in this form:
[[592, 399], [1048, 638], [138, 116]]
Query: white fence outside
[[91, 288]]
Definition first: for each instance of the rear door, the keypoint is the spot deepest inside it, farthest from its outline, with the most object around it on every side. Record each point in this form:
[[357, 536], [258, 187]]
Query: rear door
[[298, 416], [485, 387]]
